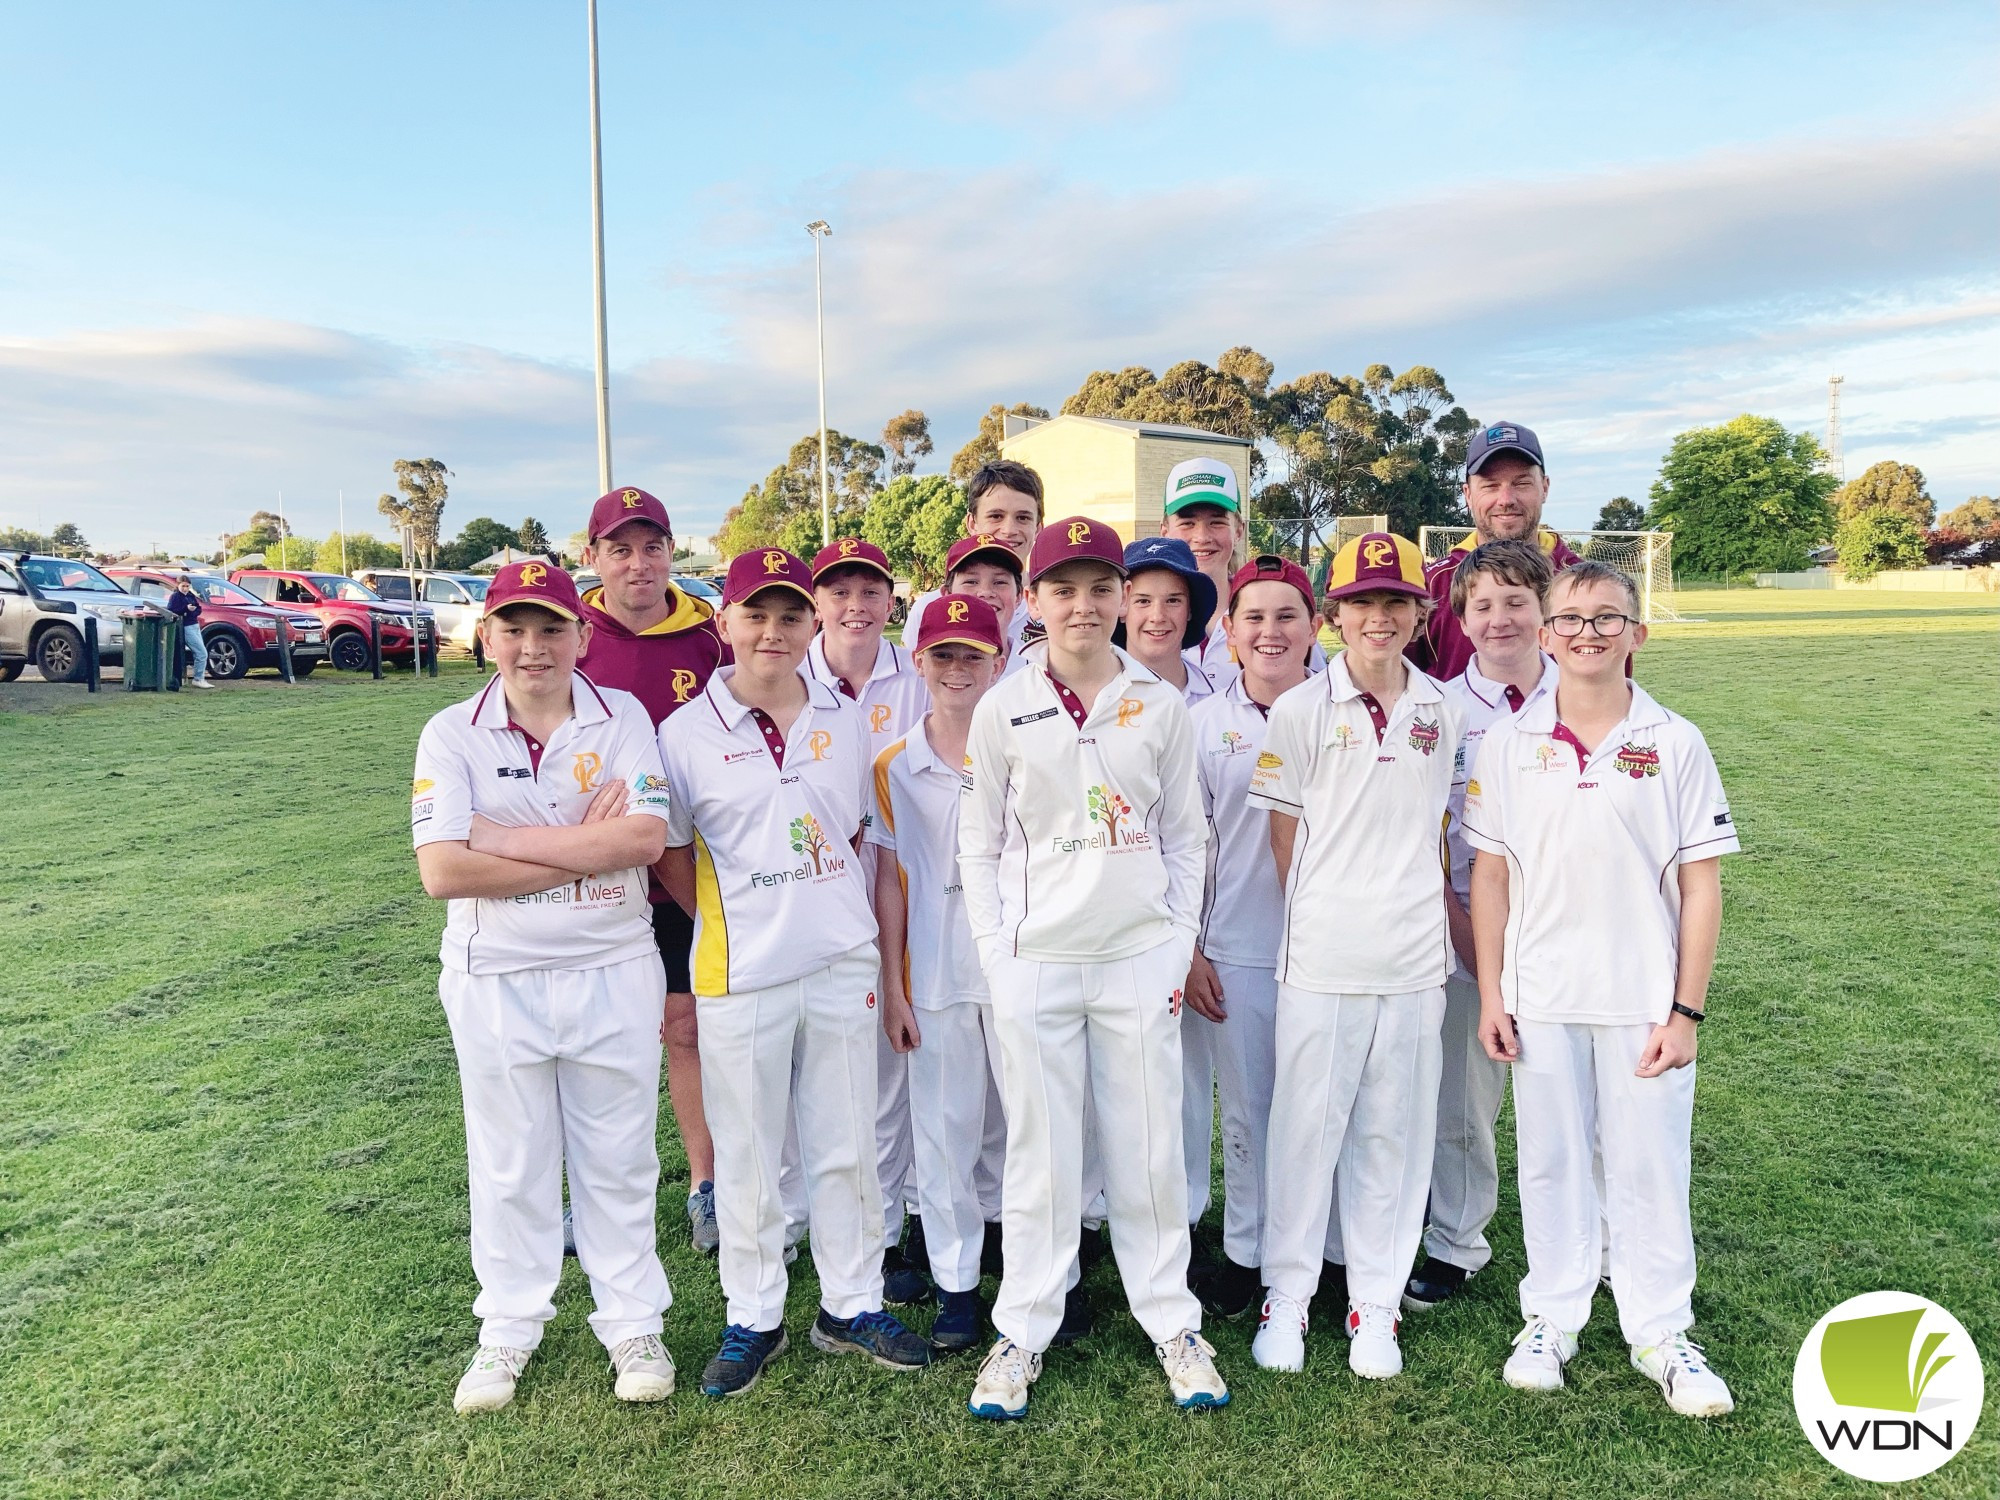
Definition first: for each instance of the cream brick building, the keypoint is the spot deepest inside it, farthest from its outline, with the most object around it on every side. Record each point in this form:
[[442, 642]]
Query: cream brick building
[[1113, 470]]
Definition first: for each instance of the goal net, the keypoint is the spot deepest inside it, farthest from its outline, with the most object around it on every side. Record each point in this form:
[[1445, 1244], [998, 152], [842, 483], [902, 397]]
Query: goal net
[[1645, 557]]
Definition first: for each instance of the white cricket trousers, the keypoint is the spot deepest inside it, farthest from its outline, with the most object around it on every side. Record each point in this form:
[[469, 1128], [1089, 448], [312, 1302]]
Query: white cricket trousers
[[1356, 1089], [807, 1046], [951, 1076], [1465, 1179], [559, 1064], [1108, 1032], [1575, 1085], [895, 1144], [1199, 1066], [1246, 1066]]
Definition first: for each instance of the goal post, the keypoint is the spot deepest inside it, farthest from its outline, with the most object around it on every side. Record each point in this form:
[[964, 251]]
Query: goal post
[[1645, 557]]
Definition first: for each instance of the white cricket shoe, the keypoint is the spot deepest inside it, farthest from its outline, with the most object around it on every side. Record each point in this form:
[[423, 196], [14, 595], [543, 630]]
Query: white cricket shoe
[[1281, 1334], [1001, 1391], [645, 1369], [488, 1382], [1677, 1365], [1372, 1350], [1540, 1351], [1189, 1360]]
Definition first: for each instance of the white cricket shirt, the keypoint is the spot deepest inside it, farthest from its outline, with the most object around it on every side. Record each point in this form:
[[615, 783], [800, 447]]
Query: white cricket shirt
[[1364, 906], [1481, 703], [1242, 917], [472, 759], [1593, 846], [779, 887], [916, 824], [1080, 843]]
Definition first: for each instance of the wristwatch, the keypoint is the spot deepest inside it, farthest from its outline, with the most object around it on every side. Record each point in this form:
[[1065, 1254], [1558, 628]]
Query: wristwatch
[[1696, 1016]]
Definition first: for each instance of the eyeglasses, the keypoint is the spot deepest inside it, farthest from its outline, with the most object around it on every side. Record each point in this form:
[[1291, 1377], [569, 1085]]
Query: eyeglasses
[[1606, 626]]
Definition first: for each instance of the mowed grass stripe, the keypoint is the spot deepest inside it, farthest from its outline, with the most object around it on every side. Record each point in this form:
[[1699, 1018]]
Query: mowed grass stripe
[[232, 1212]]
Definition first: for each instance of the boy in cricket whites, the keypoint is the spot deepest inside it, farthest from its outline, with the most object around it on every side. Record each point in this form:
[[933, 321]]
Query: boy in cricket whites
[[768, 775], [853, 591], [1496, 597], [1233, 984], [1355, 773], [661, 645], [537, 806], [935, 1008], [1082, 850], [987, 568], [1599, 823]]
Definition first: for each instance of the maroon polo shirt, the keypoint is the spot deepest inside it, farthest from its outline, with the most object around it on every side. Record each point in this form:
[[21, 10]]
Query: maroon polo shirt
[[1442, 648]]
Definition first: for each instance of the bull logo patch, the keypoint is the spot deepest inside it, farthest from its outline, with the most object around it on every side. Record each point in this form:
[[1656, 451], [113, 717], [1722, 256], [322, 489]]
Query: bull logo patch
[[1424, 736], [1637, 761]]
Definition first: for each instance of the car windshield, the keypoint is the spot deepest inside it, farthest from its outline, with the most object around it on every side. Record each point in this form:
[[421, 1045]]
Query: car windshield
[[61, 573], [218, 591], [696, 587], [333, 586], [474, 586]]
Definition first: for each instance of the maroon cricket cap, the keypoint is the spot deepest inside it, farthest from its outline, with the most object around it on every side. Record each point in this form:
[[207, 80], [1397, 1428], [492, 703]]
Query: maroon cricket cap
[[959, 619], [1075, 539], [615, 509], [541, 583], [1271, 568], [851, 551], [766, 568], [983, 546]]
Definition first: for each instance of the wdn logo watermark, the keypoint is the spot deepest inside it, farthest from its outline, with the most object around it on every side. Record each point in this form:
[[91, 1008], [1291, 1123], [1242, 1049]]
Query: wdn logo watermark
[[1888, 1386]]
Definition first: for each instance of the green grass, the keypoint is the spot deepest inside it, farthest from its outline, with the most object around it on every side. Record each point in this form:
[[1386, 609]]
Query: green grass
[[232, 1171]]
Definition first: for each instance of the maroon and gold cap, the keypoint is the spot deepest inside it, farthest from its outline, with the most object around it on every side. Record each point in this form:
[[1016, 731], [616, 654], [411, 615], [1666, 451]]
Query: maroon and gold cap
[[1075, 539], [766, 568], [1271, 568], [982, 548], [851, 551], [1380, 561], [615, 509], [959, 620], [541, 583]]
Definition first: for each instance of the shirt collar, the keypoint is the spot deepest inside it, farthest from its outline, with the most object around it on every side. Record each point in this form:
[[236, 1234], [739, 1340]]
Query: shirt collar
[[1539, 715], [1340, 688], [732, 710], [1492, 693], [888, 661], [587, 705]]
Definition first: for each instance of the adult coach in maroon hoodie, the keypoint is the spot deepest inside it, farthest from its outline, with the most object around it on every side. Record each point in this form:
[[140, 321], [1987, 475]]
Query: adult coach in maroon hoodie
[[1506, 486], [659, 644]]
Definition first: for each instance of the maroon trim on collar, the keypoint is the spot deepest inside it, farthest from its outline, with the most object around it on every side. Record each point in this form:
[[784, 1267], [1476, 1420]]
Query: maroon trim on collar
[[1515, 698], [1567, 735], [773, 741], [1070, 702], [601, 703], [535, 746], [1377, 715]]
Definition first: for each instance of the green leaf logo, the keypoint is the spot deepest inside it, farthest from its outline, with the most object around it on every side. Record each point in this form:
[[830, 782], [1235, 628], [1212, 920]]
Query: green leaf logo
[[1866, 1361]]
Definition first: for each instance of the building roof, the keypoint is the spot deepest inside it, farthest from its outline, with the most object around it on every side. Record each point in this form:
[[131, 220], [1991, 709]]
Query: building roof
[[1015, 424]]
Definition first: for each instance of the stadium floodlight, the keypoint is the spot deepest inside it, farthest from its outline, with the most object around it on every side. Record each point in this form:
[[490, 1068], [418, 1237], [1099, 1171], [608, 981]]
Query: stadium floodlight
[[819, 229]]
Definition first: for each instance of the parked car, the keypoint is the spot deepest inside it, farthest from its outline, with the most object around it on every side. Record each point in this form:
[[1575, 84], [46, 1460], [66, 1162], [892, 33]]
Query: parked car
[[44, 602], [455, 598], [701, 588], [240, 630], [344, 607]]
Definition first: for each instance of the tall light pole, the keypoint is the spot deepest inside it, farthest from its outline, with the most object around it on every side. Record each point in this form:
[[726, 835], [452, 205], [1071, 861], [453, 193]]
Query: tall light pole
[[597, 268], [819, 229]]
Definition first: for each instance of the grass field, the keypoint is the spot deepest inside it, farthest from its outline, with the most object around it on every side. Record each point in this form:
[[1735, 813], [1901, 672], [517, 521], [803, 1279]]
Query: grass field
[[232, 1171]]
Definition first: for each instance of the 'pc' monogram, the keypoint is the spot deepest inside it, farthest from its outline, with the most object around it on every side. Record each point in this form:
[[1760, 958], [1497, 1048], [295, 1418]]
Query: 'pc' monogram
[[589, 765], [1079, 533], [1378, 554], [1129, 710], [848, 546], [774, 561], [878, 718], [819, 742], [630, 499], [956, 611], [532, 575], [682, 684]]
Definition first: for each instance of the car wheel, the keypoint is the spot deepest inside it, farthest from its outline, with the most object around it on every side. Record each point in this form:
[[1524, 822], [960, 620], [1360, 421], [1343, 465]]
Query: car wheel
[[228, 655], [304, 669], [348, 652], [9, 670], [59, 654]]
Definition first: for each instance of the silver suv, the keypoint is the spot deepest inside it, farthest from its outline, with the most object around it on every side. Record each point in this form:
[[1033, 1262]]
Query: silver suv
[[44, 602], [455, 598]]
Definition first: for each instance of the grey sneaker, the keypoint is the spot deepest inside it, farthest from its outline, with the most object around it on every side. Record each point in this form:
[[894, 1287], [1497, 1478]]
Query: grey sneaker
[[645, 1370], [701, 1219], [488, 1382]]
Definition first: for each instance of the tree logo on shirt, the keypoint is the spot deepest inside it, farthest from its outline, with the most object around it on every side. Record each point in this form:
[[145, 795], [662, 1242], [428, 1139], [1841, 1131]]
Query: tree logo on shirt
[[1108, 808], [1546, 756], [1232, 742], [1424, 736], [683, 683], [1637, 761], [819, 742], [1129, 710], [809, 839], [1344, 737], [878, 718], [589, 766]]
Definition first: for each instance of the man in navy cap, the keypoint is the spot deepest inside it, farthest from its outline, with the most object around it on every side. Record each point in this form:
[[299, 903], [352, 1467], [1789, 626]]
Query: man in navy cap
[[1506, 486]]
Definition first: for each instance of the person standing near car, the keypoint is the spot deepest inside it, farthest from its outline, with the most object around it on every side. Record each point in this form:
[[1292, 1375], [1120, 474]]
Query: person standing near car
[[660, 644], [184, 604]]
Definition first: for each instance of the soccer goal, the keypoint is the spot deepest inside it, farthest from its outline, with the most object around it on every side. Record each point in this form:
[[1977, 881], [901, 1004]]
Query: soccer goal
[[1645, 557]]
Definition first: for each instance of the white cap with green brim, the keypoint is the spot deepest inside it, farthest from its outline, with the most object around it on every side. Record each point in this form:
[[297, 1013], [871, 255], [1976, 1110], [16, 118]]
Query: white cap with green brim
[[1201, 481]]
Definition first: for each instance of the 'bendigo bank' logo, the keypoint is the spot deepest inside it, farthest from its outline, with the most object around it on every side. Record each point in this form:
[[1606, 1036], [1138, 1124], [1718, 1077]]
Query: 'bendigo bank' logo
[[1113, 814], [821, 858], [1888, 1386]]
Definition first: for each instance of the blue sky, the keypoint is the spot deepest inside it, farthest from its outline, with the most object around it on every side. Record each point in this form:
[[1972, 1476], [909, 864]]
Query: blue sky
[[257, 248]]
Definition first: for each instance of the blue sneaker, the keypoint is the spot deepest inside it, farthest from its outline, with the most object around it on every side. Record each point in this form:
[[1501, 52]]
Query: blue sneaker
[[906, 1278], [959, 1322], [875, 1334], [741, 1359]]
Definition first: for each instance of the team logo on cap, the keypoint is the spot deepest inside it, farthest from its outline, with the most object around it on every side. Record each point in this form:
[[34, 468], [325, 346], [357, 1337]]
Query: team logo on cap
[[532, 575], [956, 611], [1379, 553], [774, 560], [1502, 435], [1079, 533], [630, 500], [848, 546], [1637, 761], [589, 766], [682, 683]]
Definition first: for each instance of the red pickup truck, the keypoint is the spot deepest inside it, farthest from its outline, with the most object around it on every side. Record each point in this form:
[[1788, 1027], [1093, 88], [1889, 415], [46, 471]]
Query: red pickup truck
[[240, 630], [344, 607]]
